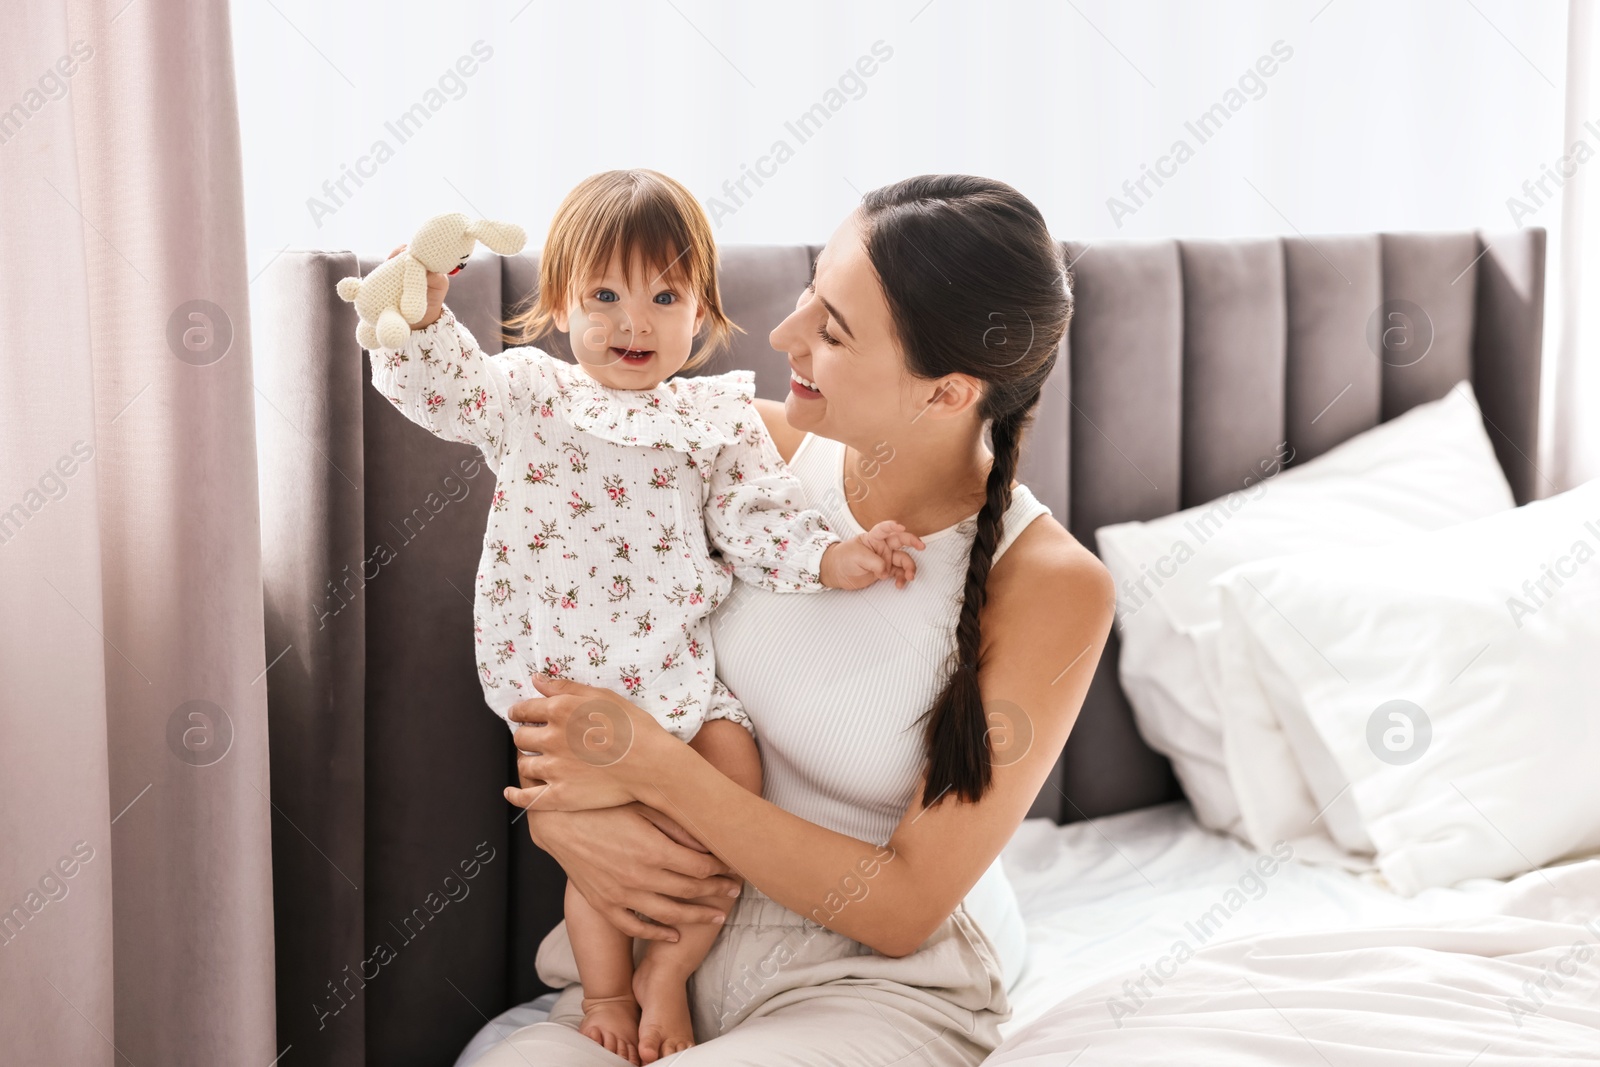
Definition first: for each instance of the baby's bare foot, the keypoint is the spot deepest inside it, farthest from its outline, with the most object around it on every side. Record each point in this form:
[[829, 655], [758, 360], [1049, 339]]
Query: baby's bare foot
[[664, 1025], [613, 1022]]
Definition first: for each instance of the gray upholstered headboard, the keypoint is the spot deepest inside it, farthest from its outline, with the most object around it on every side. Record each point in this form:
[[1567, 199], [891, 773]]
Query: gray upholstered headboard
[[1187, 363]]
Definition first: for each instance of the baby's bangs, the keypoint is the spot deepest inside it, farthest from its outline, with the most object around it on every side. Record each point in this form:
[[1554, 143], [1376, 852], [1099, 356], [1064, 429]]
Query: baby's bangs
[[644, 228], [652, 225]]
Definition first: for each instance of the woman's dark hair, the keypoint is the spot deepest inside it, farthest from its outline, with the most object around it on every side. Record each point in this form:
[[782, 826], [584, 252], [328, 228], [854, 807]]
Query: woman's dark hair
[[976, 286]]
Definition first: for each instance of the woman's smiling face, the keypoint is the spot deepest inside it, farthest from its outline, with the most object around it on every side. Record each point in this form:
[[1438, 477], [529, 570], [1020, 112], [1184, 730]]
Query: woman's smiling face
[[841, 339]]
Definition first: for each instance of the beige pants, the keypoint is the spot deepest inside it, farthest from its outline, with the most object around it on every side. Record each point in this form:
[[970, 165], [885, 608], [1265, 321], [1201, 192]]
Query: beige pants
[[779, 990]]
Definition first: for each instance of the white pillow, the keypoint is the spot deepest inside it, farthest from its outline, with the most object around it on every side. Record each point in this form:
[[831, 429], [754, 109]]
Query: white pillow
[[1428, 468], [1441, 693], [1277, 778]]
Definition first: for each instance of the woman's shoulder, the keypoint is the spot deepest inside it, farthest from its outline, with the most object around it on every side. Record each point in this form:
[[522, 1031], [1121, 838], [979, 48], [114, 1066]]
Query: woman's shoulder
[[786, 437], [1044, 568], [1050, 606]]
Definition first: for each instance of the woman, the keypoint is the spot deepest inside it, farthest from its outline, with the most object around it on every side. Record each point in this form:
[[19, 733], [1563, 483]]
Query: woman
[[904, 732]]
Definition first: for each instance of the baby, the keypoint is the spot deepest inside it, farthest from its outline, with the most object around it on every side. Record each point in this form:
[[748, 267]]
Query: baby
[[624, 505]]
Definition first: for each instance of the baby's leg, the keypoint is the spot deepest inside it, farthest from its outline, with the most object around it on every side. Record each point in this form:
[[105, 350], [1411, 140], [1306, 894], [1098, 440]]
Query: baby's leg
[[661, 982], [729, 748], [604, 956]]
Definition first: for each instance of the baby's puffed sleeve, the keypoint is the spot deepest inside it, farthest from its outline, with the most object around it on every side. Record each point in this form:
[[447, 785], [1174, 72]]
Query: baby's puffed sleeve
[[442, 381], [753, 515]]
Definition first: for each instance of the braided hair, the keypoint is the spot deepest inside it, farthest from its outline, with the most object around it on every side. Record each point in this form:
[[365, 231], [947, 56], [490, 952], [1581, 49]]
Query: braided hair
[[976, 286]]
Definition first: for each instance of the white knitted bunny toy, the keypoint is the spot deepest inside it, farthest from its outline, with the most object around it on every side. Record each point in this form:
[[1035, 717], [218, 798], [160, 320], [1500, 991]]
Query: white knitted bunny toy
[[395, 294]]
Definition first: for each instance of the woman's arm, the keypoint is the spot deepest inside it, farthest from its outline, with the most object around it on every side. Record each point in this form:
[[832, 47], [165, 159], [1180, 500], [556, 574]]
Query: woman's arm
[[1038, 661], [633, 858]]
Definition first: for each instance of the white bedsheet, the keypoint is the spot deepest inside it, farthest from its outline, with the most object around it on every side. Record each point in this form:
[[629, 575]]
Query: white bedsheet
[[1312, 965]]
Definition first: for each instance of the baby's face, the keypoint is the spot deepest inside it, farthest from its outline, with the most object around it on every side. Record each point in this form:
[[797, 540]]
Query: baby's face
[[631, 329]]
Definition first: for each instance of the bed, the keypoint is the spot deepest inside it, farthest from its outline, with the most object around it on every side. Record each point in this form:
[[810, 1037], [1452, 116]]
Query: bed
[[1188, 362], [1311, 964], [1317, 965]]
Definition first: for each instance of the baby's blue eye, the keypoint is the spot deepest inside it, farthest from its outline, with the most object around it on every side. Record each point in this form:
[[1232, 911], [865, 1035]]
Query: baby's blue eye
[[666, 297], [606, 296]]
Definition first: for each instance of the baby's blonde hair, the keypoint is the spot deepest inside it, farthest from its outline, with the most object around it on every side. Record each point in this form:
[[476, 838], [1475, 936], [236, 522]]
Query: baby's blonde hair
[[649, 222]]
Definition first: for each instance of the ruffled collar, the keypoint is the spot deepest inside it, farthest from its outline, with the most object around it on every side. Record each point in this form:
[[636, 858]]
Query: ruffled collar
[[664, 417]]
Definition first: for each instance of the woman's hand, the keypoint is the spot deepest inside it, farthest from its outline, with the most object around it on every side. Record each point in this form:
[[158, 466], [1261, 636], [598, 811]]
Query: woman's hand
[[438, 286], [634, 859], [582, 747]]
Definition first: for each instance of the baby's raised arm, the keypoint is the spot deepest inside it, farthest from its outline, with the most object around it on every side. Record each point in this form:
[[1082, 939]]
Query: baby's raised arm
[[442, 381]]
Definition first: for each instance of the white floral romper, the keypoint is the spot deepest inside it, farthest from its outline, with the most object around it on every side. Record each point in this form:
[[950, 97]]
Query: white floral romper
[[597, 562]]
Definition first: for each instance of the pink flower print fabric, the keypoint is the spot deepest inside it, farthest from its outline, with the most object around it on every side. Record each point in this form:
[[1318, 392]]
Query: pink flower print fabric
[[619, 518]]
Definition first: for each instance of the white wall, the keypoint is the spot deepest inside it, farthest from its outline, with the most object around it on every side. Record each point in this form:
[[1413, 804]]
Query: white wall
[[1426, 114]]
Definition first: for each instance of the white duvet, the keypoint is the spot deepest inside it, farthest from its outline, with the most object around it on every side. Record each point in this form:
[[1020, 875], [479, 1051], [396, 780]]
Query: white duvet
[[1153, 941]]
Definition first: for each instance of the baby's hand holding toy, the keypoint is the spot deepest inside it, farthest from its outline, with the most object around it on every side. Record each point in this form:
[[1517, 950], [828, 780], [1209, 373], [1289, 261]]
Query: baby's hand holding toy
[[870, 557], [396, 294]]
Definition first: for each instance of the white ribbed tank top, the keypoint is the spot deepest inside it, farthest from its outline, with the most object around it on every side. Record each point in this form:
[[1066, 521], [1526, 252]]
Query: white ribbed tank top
[[836, 681]]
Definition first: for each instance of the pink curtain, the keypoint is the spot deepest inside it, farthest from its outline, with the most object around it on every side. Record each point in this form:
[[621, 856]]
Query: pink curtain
[[135, 830]]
